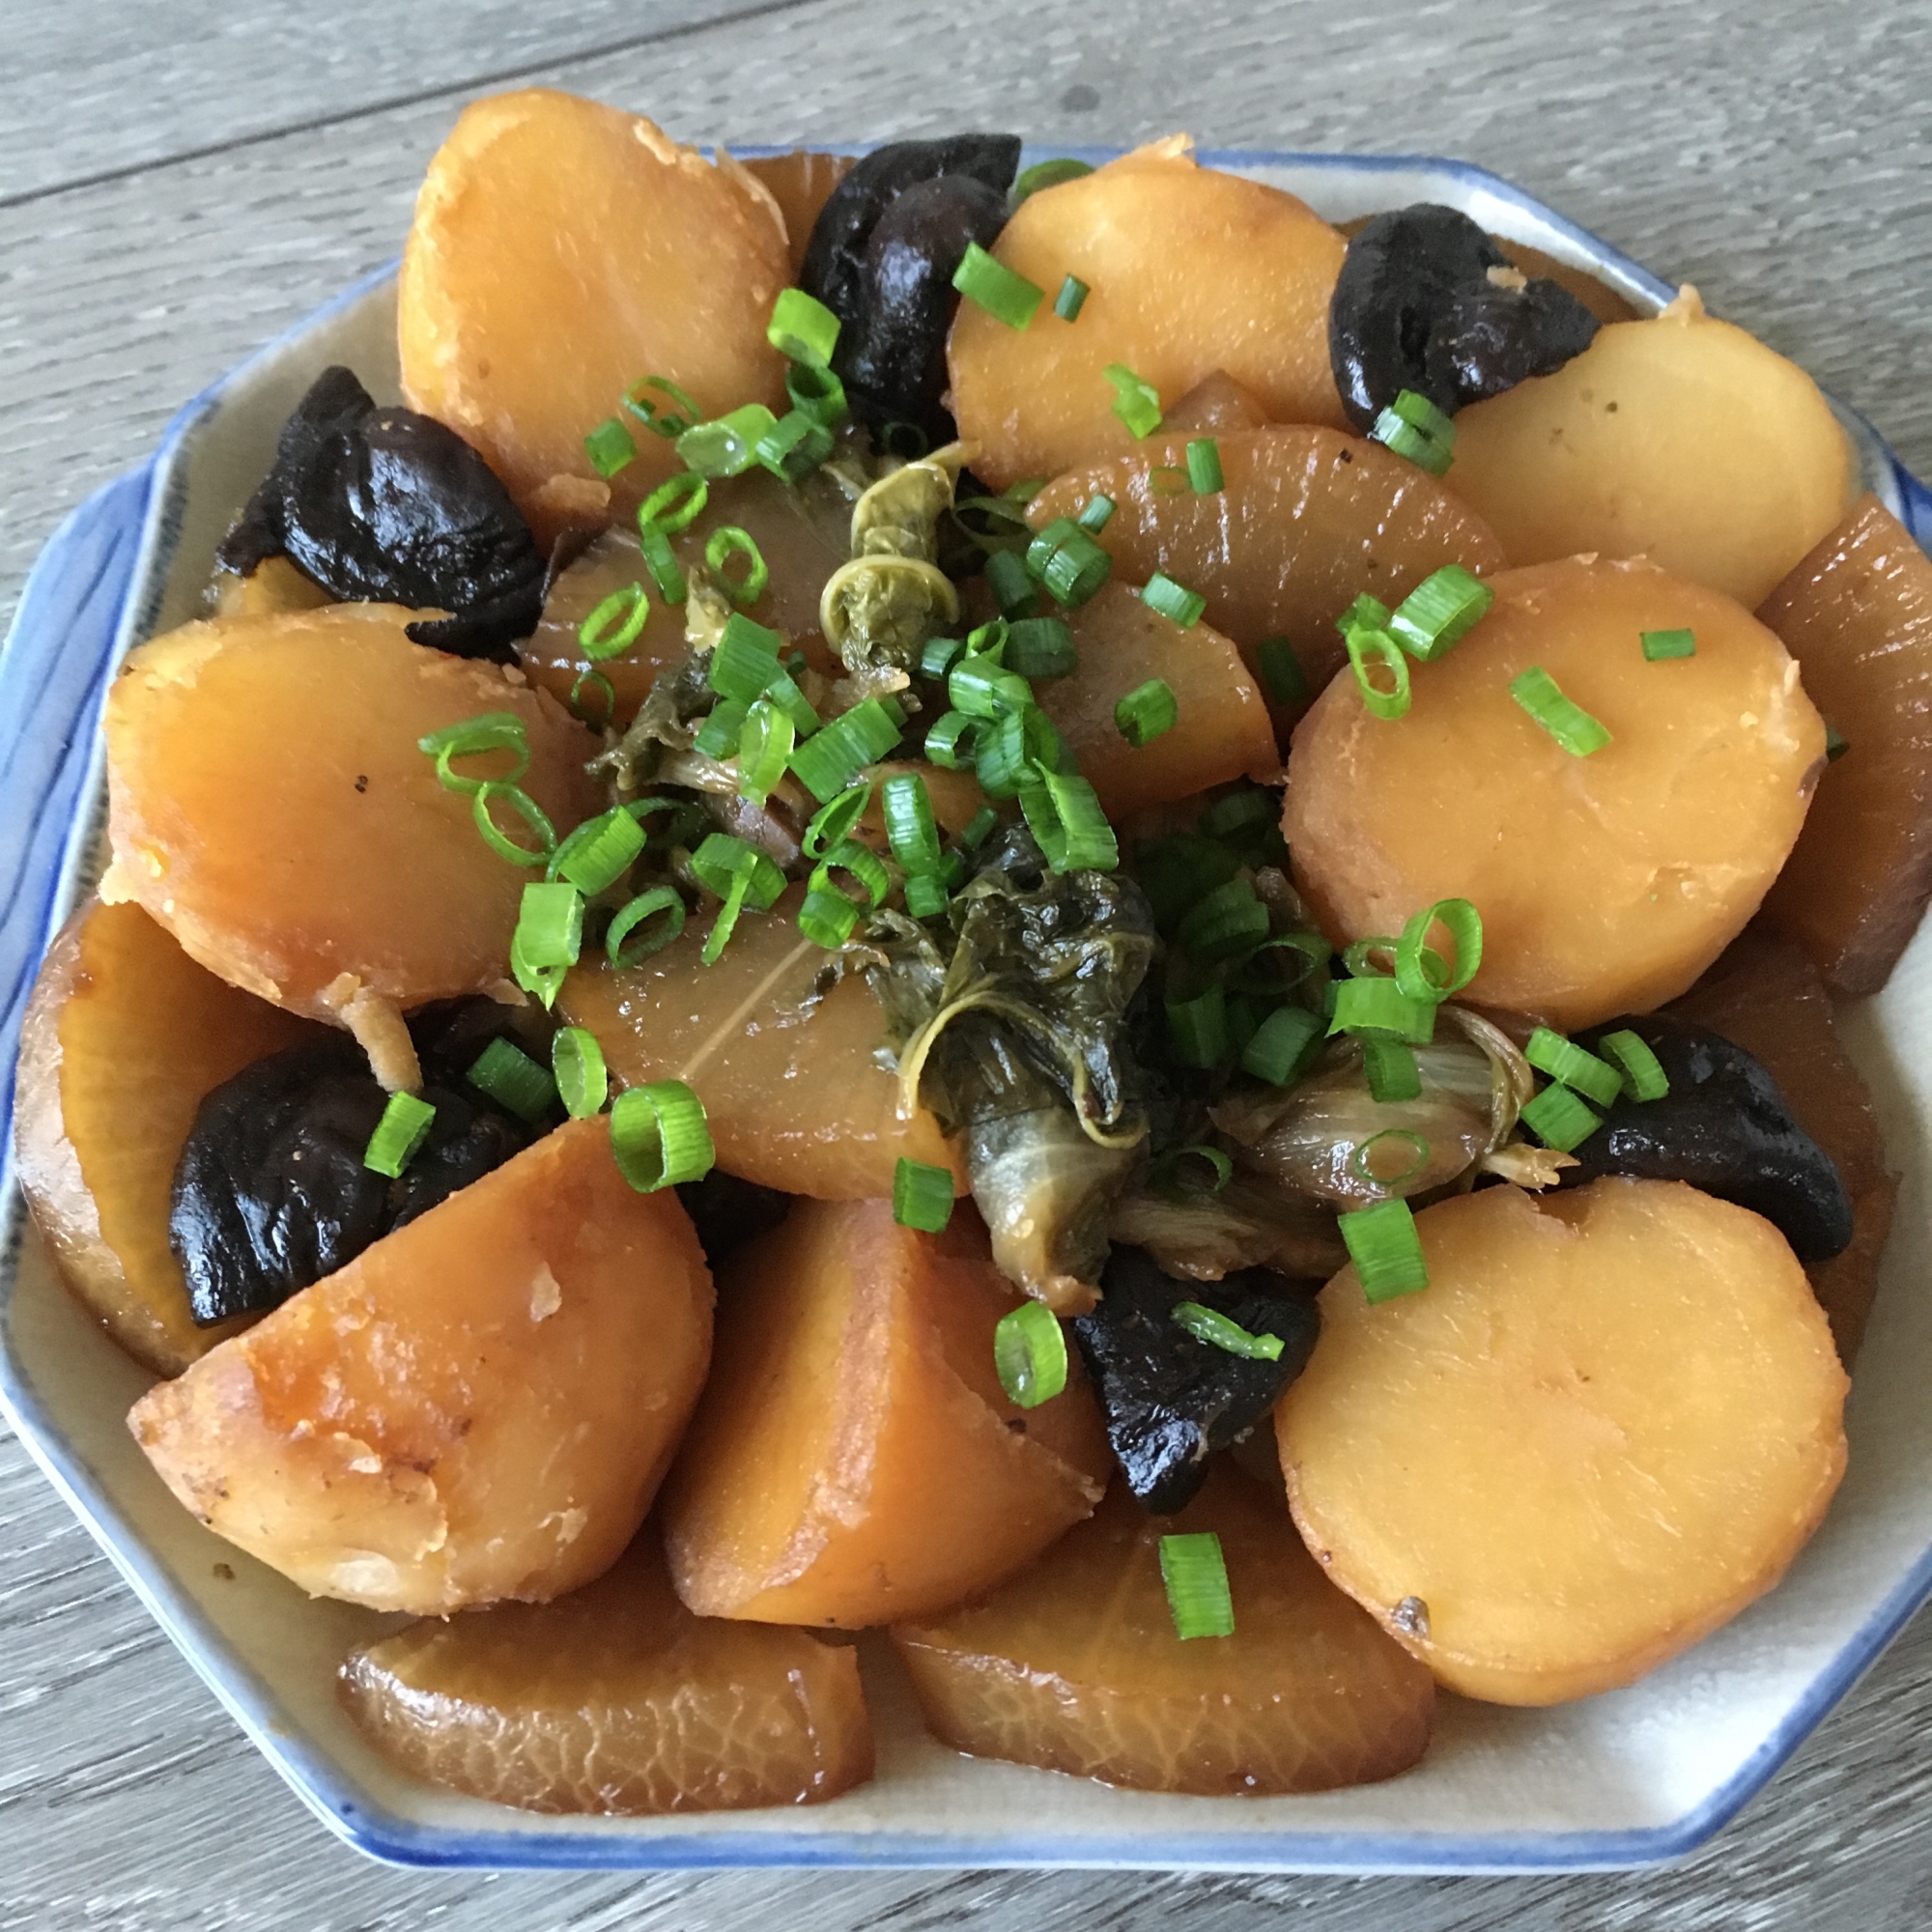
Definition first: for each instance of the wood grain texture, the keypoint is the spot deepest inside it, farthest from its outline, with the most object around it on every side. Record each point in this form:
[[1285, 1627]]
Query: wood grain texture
[[1771, 150]]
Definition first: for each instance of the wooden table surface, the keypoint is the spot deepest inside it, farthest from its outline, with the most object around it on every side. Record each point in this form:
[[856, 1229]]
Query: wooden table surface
[[179, 180]]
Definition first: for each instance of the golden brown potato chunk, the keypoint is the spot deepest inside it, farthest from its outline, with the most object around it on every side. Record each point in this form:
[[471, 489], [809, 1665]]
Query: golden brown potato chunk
[[1189, 270], [479, 1406], [785, 1072], [274, 586], [1606, 883], [268, 805], [614, 1699], [1305, 522], [1074, 1664], [123, 1039], [1608, 1424], [1857, 614], [1680, 439], [562, 251], [854, 1459]]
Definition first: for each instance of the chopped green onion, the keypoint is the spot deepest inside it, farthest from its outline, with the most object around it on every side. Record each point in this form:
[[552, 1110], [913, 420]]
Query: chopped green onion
[[1661, 644], [1071, 299], [939, 655], [1068, 560], [1147, 712], [598, 852], [1197, 1029], [399, 1133], [817, 393], [493, 731], [901, 439], [1218, 1331], [1014, 589], [661, 560], [1282, 675], [1030, 1354], [726, 445], [911, 830], [1385, 1248], [1196, 1577], [1094, 518], [992, 286], [1166, 1174], [1643, 1075], [1413, 427], [675, 503], [1440, 613], [745, 659], [1204, 466], [549, 926], [1041, 647], [610, 447], [1046, 174], [660, 1137], [1365, 613], [1309, 952], [922, 1196], [828, 763], [513, 1080], [952, 740], [1420, 970], [1379, 1005], [926, 894], [1559, 1119], [543, 981], [481, 807], [1010, 745], [1570, 724], [738, 873], [827, 917], [794, 446], [719, 734], [1576, 1066], [615, 625], [1362, 1161], [765, 745], [1221, 924], [654, 416], [1836, 743], [728, 541], [1136, 402], [831, 823], [861, 865], [577, 1063], [646, 905], [982, 687], [597, 679], [1392, 1072], [1282, 1045], [978, 827], [803, 328], [1063, 812], [1390, 703], [784, 692], [1173, 601]]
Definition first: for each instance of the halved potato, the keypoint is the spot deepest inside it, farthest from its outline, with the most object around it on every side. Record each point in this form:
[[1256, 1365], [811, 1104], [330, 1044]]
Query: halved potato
[[123, 1039], [1074, 1664], [1606, 883], [560, 253], [479, 1406], [614, 1699], [785, 1072], [1607, 1425], [1189, 270], [268, 804], [1306, 520], [854, 1459], [1680, 439]]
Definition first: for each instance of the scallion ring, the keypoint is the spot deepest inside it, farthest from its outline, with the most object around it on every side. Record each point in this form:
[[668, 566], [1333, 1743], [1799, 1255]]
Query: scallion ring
[[598, 681], [645, 906], [1368, 651], [1385, 1249], [831, 823], [576, 1064], [1030, 1354], [616, 624], [676, 501], [654, 416], [728, 541], [1420, 970], [660, 1137], [534, 815], [765, 744]]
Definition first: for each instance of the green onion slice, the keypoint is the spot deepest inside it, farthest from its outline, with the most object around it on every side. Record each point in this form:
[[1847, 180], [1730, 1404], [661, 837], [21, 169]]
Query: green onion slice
[[543, 981], [978, 827], [738, 873], [1362, 1161], [827, 917], [596, 679], [676, 502], [922, 1196], [831, 823], [1167, 1169], [992, 286], [1413, 427], [1046, 174], [1358, 958], [661, 560], [1660, 645], [645, 906], [939, 655], [817, 393], [1147, 712], [861, 865], [1379, 1005], [1197, 1029], [1576, 1066], [1068, 562], [727, 542], [745, 659], [1559, 1119], [984, 688], [1204, 466], [654, 416], [926, 894], [1282, 675], [826, 764], [399, 1133], [1136, 401], [1173, 601], [615, 625], [1196, 1577], [1224, 924], [722, 727], [1041, 647], [599, 853], [482, 806], [1385, 1248], [765, 745], [513, 1080], [1028, 1353], [803, 328], [492, 731], [577, 1063], [1071, 299], [549, 924], [1013, 588], [1389, 702], [660, 1137], [1570, 724], [1440, 613], [1218, 1331], [794, 446], [1392, 1072], [911, 829], [1094, 518], [1063, 811], [610, 447], [1420, 970], [1643, 1075], [1282, 1045], [726, 445]]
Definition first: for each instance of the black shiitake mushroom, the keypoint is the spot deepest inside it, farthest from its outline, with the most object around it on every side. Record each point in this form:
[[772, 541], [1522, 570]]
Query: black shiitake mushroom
[[1170, 1398], [271, 1193], [882, 256], [1722, 1127], [1426, 301], [389, 506]]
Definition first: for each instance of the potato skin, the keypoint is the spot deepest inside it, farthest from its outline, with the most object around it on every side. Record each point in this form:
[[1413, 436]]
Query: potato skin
[[1608, 1424], [1606, 883], [480, 1406]]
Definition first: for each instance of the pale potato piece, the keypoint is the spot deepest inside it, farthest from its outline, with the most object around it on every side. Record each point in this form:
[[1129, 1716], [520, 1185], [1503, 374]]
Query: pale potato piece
[[1606, 883], [1190, 271], [1681, 439], [562, 250], [1607, 1425], [479, 1406]]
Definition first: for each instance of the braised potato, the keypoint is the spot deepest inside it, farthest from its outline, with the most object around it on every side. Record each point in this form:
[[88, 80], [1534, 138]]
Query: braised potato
[[1074, 1665], [1191, 270], [479, 1406], [275, 585], [614, 1699], [1221, 729], [787, 1075], [1857, 614], [1306, 521], [1680, 439], [122, 1039], [268, 805], [801, 183], [562, 251], [1216, 402], [1607, 1425], [854, 1458], [1606, 883]]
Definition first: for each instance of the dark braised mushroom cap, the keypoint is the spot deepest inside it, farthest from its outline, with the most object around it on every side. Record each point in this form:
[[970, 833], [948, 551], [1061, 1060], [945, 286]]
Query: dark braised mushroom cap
[[387, 506], [1415, 307], [1169, 1400], [1723, 1127]]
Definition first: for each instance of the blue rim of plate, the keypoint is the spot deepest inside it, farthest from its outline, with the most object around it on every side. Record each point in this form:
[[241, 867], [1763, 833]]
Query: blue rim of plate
[[75, 623]]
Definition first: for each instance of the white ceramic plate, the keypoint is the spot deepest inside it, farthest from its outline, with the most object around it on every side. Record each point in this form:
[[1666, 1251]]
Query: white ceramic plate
[[1638, 1774]]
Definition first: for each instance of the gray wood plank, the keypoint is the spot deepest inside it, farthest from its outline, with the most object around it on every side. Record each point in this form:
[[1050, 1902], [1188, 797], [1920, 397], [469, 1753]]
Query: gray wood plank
[[1775, 153]]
